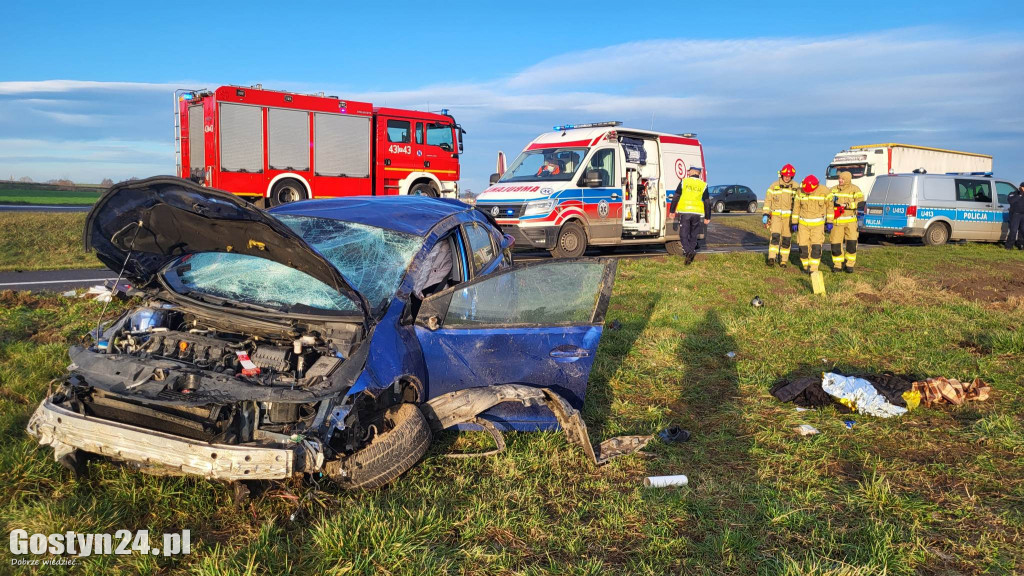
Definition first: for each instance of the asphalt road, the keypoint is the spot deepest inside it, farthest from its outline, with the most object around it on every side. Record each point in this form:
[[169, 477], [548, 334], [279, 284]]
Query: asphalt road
[[44, 208]]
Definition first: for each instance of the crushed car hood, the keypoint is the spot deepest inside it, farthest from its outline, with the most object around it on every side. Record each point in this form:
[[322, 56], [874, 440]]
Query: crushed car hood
[[145, 224]]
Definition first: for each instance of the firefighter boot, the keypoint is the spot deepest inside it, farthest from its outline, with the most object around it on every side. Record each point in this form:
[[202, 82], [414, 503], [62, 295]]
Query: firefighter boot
[[851, 255], [784, 251], [836, 240], [773, 249]]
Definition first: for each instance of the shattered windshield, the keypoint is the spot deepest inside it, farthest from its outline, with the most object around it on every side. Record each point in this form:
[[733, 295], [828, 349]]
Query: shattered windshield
[[372, 259]]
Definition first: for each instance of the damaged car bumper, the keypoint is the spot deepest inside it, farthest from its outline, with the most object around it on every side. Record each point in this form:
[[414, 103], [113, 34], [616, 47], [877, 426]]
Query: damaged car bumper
[[67, 431]]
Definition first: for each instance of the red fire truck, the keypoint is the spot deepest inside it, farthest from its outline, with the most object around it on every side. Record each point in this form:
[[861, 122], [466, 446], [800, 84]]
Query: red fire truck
[[282, 147]]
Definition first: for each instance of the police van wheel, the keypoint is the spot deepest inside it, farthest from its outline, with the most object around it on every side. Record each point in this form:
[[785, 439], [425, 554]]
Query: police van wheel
[[572, 241], [936, 235], [752, 207], [285, 191], [675, 248], [719, 207]]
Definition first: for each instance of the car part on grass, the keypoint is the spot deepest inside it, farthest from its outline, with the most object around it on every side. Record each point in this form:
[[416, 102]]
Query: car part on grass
[[464, 406], [389, 454], [757, 302], [666, 481], [939, 390]]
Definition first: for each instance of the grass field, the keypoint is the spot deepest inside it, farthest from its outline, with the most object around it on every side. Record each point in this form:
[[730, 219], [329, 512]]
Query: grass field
[[43, 241], [15, 194], [938, 491]]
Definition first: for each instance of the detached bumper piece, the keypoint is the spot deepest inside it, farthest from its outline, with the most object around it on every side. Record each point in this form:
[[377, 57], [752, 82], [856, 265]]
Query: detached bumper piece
[[67, 431]]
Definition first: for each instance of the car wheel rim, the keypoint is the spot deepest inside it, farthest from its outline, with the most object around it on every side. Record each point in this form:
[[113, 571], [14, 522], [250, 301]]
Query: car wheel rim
[[570, 242]]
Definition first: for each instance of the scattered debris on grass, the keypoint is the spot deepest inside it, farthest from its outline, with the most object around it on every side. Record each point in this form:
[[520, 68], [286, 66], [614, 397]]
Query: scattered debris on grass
[[806, 430], [666, 481], [859, 395], [674, 434]]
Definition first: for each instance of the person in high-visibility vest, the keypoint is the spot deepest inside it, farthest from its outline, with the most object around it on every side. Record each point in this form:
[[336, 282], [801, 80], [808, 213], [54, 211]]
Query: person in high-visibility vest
[[778, 209], [813, 213], [848, 200], [690, 205]]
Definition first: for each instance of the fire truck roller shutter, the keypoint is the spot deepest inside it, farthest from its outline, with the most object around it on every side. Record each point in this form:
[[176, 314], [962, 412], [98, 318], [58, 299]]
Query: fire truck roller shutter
[[288, 139], [342, 146], [241, 138], [196, 140]]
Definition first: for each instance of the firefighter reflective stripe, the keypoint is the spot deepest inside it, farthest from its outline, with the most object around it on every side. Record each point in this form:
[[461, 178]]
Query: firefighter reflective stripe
[[691, 197], [781, 212], [846, 218], [812, 221]]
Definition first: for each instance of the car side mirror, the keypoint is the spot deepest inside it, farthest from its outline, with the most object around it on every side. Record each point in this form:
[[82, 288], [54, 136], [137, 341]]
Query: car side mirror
[[592, 178], [495, 177]]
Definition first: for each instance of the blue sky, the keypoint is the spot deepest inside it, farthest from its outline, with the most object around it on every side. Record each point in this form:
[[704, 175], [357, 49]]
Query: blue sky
[[85, 88]]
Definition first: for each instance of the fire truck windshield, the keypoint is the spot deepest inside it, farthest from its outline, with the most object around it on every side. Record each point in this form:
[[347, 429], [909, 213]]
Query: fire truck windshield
[[551, 164]]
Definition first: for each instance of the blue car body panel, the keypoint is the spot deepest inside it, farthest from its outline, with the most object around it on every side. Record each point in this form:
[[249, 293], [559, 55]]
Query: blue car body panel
[[543, 356]]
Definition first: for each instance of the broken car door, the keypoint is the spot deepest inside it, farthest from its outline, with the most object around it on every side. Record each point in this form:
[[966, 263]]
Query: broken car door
[[537, 324]]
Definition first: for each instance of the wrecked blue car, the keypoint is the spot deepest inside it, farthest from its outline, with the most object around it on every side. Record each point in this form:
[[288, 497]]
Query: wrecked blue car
[[327, 336]]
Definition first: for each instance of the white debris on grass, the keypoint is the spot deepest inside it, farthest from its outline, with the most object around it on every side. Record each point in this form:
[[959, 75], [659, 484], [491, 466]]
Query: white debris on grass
[[806, 430]]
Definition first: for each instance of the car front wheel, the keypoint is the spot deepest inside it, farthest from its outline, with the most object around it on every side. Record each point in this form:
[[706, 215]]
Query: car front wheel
[[719, 207], [937, 234], [752, 207], [391, 452]]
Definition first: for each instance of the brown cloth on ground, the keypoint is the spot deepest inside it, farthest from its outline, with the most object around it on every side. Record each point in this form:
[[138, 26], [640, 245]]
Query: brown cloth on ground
[[953, 391], [805, 392]]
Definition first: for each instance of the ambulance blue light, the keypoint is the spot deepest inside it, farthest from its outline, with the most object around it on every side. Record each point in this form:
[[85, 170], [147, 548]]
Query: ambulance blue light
[[510, 212]]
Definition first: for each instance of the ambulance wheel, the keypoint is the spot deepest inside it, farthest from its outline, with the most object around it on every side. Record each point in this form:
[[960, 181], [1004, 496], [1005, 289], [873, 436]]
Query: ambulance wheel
[[937, 234], [286, 190], [752, 207], [572, 241], [424, 189], [675, 248], [719, 207]]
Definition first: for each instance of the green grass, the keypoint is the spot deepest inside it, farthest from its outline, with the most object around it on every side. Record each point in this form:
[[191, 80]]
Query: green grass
[[750, 223], [43, 241], [938, 491], [15, 194]]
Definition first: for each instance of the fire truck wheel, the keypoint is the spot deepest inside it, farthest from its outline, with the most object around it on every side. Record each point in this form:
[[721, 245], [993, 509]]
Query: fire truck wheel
[[424, 189], [572, 241], [287, 190]]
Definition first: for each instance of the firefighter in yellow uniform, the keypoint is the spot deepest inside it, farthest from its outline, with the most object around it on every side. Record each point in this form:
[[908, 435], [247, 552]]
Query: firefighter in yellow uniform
[[848, 199], [778, 209], [813, 213]]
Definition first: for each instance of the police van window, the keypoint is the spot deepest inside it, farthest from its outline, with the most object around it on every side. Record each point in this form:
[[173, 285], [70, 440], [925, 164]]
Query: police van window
[[439, 135], [398, 131], [603, 161], [1003, 190], [419, 132], [480, 245], [973, 191]]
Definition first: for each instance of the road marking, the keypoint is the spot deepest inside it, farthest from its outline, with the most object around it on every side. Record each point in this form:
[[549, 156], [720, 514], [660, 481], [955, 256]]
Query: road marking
[[57, 282]]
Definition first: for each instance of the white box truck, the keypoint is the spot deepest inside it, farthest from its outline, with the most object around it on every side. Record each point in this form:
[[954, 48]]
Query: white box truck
[[869, 161]]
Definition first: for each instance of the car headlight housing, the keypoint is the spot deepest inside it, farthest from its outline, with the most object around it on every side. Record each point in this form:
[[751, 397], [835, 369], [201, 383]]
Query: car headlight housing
[[534, 207]]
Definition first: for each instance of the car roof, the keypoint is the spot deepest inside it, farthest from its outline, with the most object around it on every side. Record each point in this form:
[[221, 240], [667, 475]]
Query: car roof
[[409, 214]]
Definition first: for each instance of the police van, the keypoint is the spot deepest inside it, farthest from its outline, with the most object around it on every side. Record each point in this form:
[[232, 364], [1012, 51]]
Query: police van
[[938, 207], [592, 185]]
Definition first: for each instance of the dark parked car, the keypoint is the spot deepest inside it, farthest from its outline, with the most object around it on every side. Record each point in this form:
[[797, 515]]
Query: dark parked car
[[327, 336], [729, 197]]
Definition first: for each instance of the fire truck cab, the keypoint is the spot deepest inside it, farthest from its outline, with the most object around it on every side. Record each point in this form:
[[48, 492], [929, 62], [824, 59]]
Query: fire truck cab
[[592, 185], [282, 147]]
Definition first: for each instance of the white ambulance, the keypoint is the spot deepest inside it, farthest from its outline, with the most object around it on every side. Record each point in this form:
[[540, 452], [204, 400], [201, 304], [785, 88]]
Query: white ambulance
[[869, 161], [592, 185]]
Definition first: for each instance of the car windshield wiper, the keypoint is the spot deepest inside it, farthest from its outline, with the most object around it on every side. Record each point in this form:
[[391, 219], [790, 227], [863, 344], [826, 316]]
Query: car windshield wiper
[[219, 301]]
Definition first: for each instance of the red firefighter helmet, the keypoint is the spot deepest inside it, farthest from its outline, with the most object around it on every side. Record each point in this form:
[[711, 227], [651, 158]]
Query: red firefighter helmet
[[787, 171], [810, 183]]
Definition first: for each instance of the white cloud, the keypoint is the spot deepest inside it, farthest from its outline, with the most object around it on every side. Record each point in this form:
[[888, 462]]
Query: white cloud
[[756, 103]]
